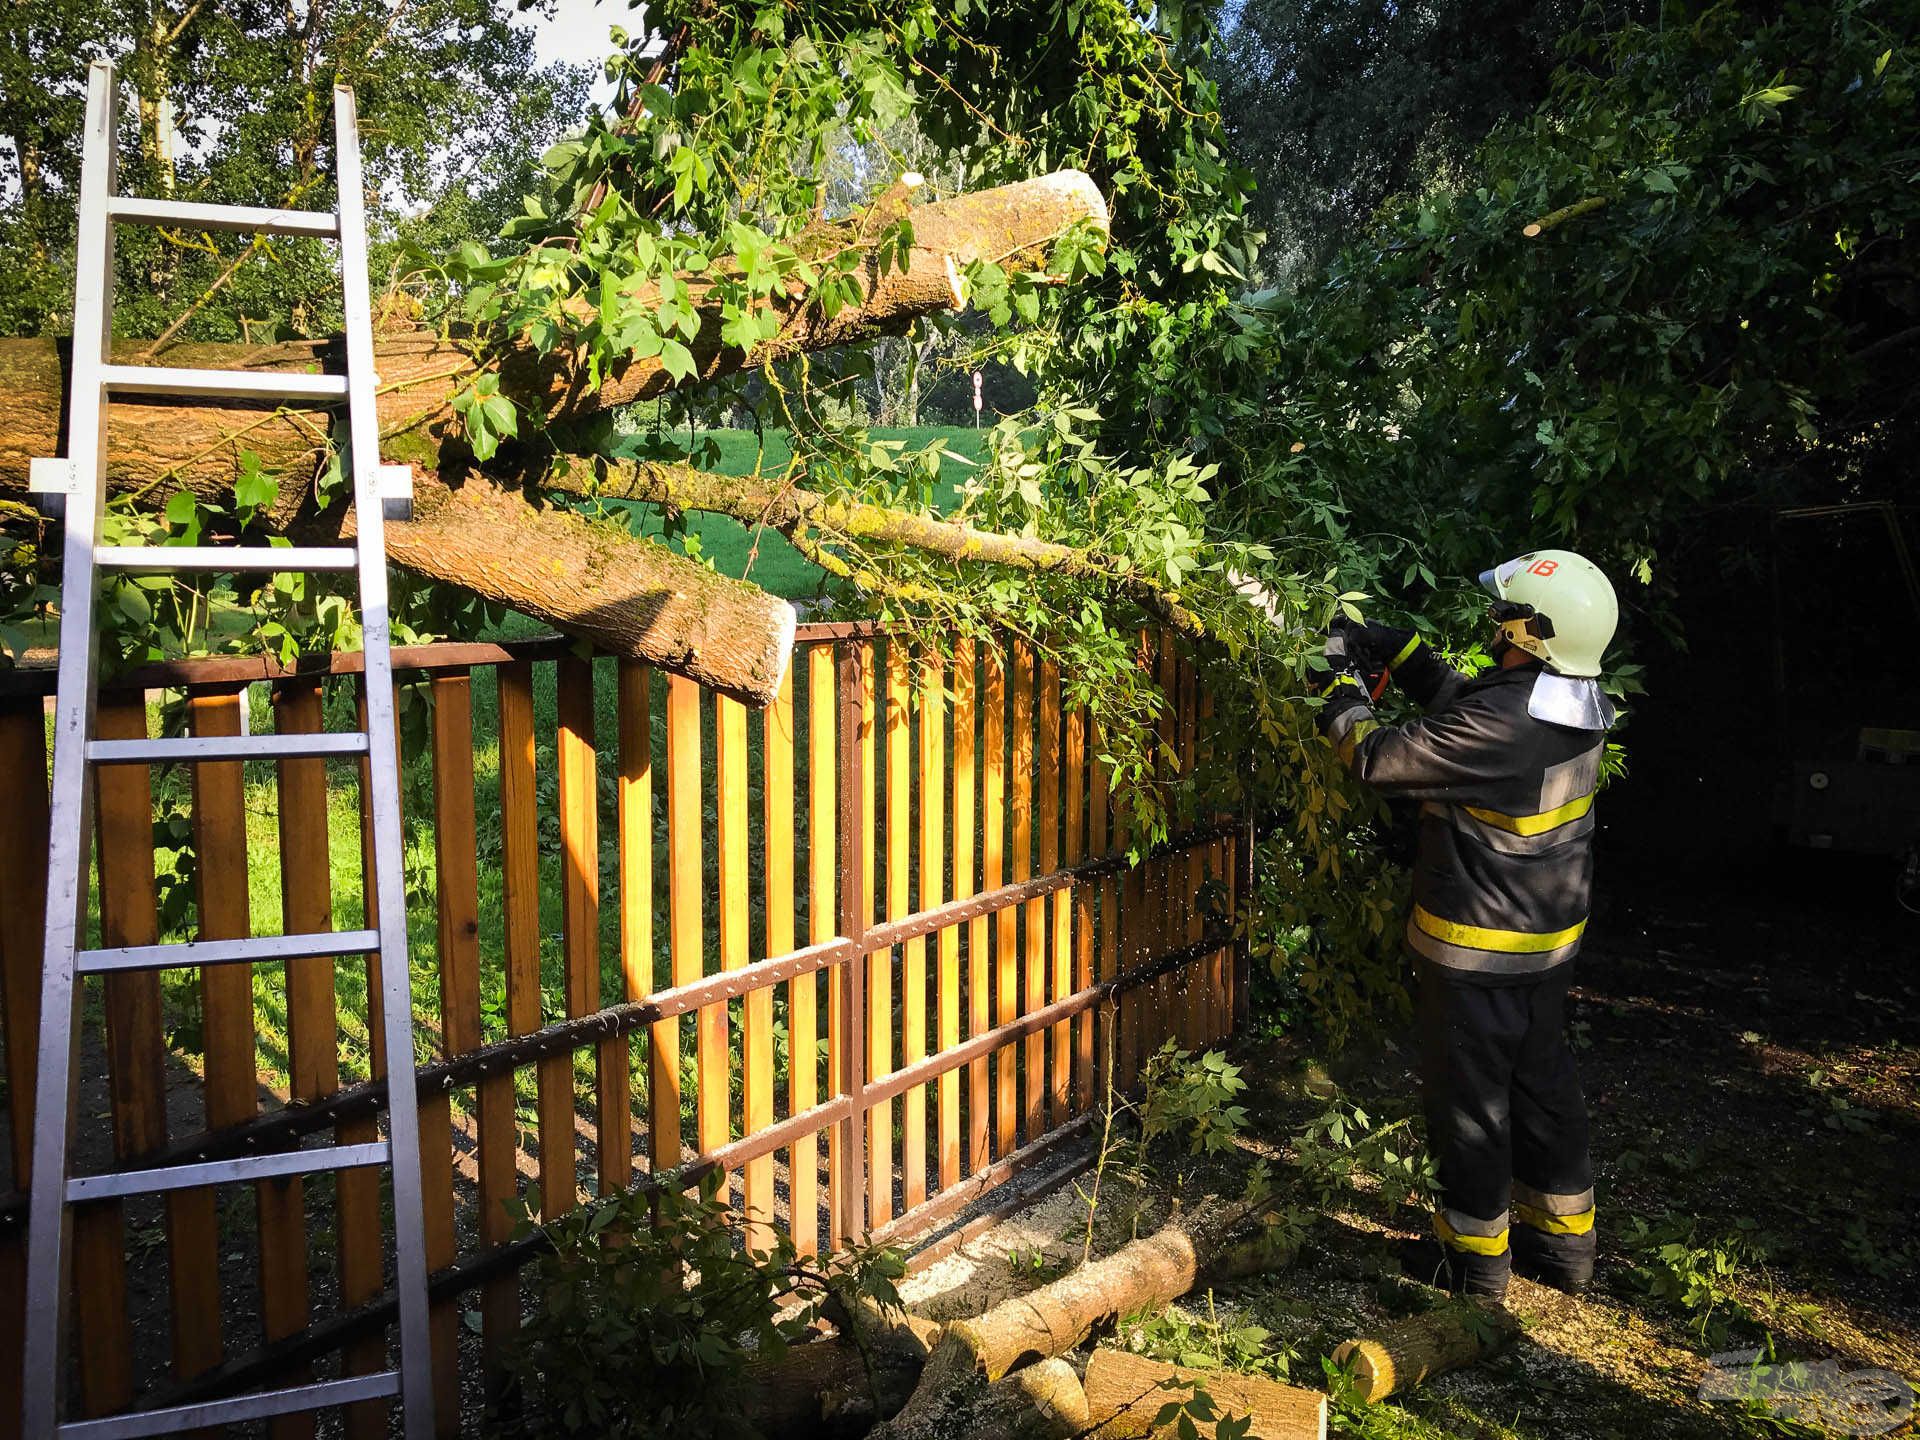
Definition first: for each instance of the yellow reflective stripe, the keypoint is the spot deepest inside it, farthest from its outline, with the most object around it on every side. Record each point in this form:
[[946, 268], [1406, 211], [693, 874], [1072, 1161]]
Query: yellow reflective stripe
[[1405, 650], [1351, 740], [1473, 1244], [1476, 937], [1533, 824], [1551, 1224]]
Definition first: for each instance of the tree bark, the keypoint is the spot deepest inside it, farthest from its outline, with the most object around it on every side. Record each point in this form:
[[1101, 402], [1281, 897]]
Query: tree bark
[[628, 596], [1125, 1392], [1409, 1352]]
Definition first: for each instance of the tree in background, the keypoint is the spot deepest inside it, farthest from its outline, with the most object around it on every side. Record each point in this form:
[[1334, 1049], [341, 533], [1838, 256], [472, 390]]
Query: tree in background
[[230, 103], [1335, 105]]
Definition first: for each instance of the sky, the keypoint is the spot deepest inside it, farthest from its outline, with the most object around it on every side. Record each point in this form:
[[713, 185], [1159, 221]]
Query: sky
[[577, 34]]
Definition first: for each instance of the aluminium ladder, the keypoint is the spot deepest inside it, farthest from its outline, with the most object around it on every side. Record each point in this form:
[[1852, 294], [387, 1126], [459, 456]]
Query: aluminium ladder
[[77, 485]]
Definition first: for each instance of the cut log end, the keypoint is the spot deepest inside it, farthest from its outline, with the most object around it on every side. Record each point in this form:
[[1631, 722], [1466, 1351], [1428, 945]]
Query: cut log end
[[1409, 1352]]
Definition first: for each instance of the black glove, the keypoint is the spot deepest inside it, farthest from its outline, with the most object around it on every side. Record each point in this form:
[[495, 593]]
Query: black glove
[[1381, 645], [1347, 656]]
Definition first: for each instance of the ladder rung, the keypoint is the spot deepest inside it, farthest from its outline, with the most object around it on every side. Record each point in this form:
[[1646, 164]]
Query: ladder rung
[[280, 559], [146, 210], [380, 1385], [225, 747], [226, 1172], [258, 949], [222, 384]]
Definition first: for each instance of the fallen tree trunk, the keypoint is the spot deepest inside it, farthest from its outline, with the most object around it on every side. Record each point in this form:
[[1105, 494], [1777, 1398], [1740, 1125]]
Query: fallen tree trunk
[[159, 443], [1125, 1393], [1402, 1355], [798, 513], [1152, 1271], [627, 596]]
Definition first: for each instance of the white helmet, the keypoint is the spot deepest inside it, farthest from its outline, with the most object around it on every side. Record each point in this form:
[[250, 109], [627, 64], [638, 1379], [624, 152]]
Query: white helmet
[[1557, 605]]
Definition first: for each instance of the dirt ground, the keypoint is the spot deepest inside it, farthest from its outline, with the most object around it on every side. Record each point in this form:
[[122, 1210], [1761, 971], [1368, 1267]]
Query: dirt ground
[[1753, 1069]]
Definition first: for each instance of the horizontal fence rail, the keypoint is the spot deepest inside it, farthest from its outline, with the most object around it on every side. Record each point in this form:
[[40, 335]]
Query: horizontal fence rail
[[864, 956]]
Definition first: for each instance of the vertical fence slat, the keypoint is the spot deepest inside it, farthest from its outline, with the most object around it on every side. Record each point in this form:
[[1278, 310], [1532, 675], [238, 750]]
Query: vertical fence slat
[[520, 915], [361, 1231], [23, 913], [226, 991], [730, 839], [822, 916], [933, 819], [1054, 909], [1164, 927], [993, 821], [575, 761], [370, 963], [1100, 844], [136, 1078], [684, 883], [1033, 1095], [634, 816], [1076, 906], [457, 928], [854, 861], [1128, 924], [880, 965], [1191, 872], [306, 906], [757, 1009], [777, 749], [964, 817], [930, 752]]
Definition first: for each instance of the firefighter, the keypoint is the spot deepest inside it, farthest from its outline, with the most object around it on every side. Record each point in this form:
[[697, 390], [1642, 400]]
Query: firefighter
[[1505, 765]]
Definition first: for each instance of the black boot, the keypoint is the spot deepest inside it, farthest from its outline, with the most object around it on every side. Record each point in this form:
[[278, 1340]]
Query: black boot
[[1563, 1261], [1456, 1271]]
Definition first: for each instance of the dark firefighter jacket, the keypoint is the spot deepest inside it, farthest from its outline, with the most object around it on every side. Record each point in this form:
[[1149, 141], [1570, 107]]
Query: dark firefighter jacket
[[1502, 880]]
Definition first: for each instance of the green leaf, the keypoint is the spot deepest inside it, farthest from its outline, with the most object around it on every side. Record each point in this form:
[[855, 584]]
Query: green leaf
[[676, 359]]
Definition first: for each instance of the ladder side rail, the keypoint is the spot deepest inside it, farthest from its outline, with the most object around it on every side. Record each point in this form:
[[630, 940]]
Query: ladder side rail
[[44, 1374], [403, 1116]]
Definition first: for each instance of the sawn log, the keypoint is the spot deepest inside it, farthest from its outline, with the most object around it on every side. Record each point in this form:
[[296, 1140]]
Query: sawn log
[[1125, 1393], [1396, 1358]]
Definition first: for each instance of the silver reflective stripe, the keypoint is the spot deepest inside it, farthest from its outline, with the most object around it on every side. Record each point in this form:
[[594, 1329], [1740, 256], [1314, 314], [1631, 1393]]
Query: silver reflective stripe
[[1553, 1204], [1465, 1224], [1487, 962], [1506, 842], [1569, 780]]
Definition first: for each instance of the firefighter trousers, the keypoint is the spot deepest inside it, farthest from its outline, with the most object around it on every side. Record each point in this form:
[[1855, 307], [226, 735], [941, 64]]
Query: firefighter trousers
[[1507, 1126]]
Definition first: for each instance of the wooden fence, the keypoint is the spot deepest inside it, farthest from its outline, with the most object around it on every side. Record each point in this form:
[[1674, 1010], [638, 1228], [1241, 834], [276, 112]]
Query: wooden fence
[[929, 835]]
